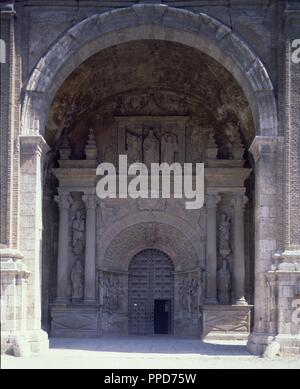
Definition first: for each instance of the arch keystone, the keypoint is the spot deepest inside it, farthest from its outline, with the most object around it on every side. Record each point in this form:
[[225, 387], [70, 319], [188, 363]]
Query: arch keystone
[[149, 13]]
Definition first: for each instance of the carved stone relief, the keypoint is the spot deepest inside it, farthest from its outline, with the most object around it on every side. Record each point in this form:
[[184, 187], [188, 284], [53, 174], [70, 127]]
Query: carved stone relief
[[190, 292], [111, 292]]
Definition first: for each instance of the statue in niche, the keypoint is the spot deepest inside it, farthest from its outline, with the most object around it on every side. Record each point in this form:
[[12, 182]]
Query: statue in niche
[[78, 238], [133, 147], [169, 148], [224, 283], [224, 235], [77, 280], [110, 152], [151, 148], [232, 134]]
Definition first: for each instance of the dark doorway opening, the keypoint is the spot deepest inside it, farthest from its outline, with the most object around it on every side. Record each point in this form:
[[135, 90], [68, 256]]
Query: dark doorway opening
[[150, 293], [162, 316]]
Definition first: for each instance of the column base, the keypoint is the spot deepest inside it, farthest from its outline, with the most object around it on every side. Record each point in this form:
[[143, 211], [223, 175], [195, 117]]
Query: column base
[[22, 344], [14, 343], [289, 344], [258, 342], [241, 301], [38, 340]]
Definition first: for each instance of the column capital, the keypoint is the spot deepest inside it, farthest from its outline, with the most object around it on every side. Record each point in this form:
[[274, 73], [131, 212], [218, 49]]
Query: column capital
[[212, 200], [7, 9], [90, 201], [63, 200], [238, 201], [33, 144], [264, 145]]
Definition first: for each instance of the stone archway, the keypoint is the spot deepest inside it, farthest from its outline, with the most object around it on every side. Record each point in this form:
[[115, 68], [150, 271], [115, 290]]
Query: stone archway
[[159, 22], [162, 23]]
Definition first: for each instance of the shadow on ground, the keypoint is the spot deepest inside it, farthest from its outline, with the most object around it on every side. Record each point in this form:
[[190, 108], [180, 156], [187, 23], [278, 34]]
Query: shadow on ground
[[151, 344]]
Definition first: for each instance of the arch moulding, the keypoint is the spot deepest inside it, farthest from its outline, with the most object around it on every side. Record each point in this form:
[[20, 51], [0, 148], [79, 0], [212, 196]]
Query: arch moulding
[[140, 22]]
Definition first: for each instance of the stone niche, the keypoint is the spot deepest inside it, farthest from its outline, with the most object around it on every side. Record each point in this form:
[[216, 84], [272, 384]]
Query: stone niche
[[152, 139], [99, 239]]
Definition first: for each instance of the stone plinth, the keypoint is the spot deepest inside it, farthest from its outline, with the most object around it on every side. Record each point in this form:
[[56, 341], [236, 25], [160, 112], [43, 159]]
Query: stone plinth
[[230, 322], [76, 320]]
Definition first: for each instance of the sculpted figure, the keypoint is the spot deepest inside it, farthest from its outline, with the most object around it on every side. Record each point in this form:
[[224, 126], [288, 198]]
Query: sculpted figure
[[151, 148], [224, 282], [78, 227], [77, 280], [186, 292], [133, 148], [169, 148]]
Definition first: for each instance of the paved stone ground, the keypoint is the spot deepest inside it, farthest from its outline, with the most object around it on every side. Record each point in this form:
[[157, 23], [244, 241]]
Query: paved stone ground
[[146, 352]]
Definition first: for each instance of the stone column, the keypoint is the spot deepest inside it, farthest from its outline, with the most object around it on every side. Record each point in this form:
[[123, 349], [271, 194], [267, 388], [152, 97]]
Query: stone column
[[238, 202], [267, 162], [33, 148], [64, 201], [90, 249], [211, 248]]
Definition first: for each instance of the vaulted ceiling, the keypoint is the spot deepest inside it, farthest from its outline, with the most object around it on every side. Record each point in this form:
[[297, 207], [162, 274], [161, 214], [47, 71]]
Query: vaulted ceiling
[[91, 94]]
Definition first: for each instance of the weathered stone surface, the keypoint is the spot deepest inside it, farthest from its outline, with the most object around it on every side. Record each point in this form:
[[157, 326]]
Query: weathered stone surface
[[272, 350]]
